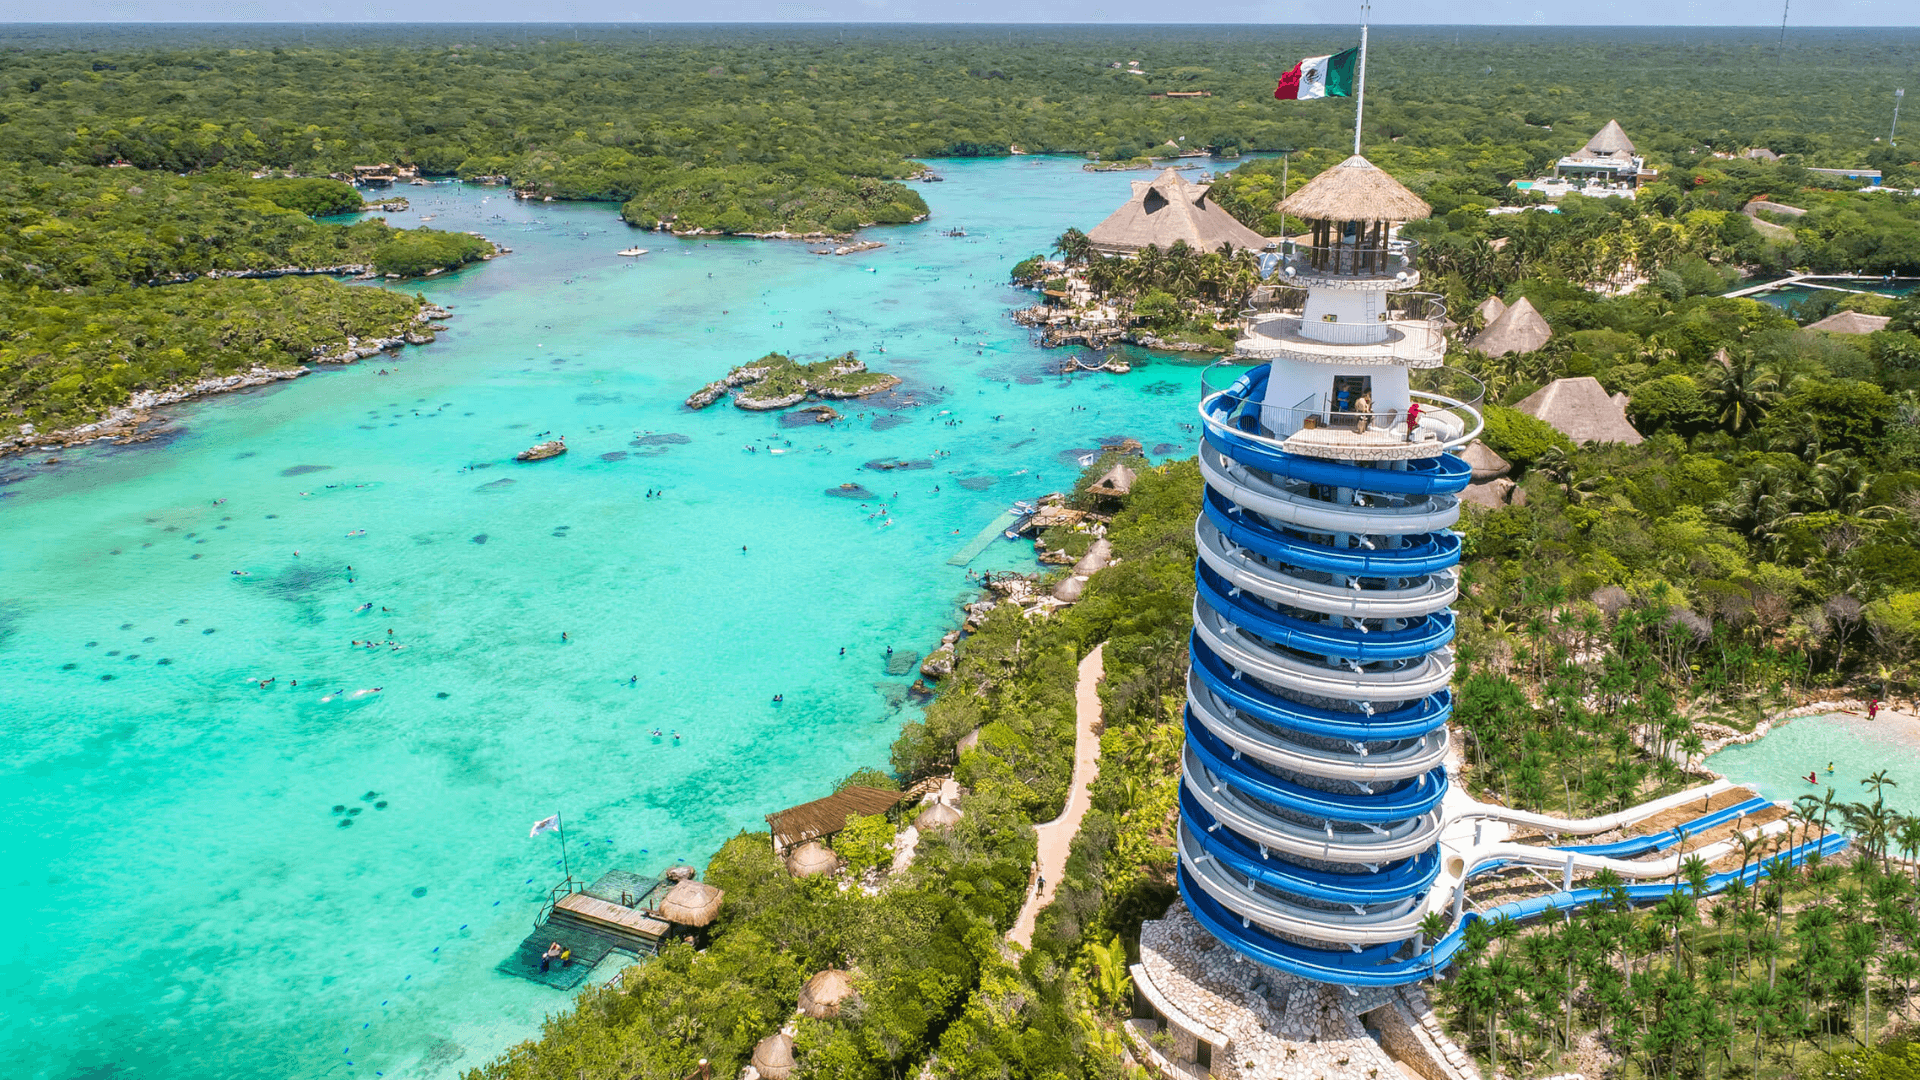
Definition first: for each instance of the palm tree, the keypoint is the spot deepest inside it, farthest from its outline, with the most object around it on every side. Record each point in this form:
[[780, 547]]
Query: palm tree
[[1740, 390], [1073, 247], [1908, 838]]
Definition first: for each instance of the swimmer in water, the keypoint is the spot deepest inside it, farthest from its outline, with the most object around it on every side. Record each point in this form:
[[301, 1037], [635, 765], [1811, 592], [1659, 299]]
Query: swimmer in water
[[363, 607], [239, 573]]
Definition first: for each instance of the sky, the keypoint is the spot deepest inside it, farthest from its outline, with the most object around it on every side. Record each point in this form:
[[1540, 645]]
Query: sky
[[1904, 13]]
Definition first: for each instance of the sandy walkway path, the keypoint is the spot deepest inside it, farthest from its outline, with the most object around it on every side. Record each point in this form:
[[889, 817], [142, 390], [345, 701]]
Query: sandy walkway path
[[1057, 834]]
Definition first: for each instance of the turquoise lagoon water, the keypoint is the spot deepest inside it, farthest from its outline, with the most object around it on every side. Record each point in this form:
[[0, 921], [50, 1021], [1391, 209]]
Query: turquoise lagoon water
[[181, 898], [1777, 765]]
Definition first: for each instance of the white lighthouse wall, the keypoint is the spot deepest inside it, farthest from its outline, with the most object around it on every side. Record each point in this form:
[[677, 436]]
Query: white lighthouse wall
[[1345, 316], [1298, 385]]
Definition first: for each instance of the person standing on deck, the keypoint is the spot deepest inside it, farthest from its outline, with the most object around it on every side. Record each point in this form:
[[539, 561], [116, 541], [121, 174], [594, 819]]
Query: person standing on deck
[[1413, 419], [1363, 410]]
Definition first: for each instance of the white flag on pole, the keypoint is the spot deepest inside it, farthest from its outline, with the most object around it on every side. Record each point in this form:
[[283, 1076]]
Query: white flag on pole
[[551, 824]]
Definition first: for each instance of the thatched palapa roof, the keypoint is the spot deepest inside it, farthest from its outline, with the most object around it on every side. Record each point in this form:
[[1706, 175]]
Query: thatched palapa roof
[[1581, 409], [937, 816], [1851, 322], [812, 859], [1166, 210], [691, 903], [1519, 329], [1490, 309], [820, 998], [1485, 463], [1116, 481], [773, 1056], [825, 817], [1609, 142], [1355, 190]]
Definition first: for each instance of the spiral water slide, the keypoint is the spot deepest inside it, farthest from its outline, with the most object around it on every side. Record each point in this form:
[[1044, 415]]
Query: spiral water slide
[[1382, 965]]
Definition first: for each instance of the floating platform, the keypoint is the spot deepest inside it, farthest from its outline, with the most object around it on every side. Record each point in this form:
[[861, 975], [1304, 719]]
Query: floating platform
[[986, 538], [613, 915]]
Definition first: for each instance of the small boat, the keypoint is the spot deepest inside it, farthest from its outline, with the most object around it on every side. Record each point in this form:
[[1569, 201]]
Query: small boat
[[632, 252], [1025, 508], [542, 451]]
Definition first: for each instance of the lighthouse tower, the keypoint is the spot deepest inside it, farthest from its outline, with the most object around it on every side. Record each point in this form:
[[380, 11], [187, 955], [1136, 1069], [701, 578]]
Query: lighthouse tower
[[1310, 806]]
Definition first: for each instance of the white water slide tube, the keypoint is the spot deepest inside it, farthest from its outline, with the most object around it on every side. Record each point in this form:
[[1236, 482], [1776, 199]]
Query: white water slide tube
[[1430, 674], [1244, 570], [1529, 855], [1588, 826], [1380, 517]]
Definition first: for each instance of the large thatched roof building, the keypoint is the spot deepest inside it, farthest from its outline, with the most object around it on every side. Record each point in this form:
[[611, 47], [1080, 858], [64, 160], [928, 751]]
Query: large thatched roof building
[[1581, 410], [1518, 329], [1851, 322], [1166, 210]]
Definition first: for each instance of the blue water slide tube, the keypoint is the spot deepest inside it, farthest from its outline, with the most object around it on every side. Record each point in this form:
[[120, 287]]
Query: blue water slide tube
[[1424, 635], [1641, 845], [1405, 799], [1375, 967], [1394, 881], [1406, 722], [1425, 553], [1443, 474]]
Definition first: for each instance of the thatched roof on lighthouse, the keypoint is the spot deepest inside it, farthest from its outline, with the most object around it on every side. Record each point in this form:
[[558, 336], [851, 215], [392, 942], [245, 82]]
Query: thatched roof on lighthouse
[[1169, 209], [1355, 190]]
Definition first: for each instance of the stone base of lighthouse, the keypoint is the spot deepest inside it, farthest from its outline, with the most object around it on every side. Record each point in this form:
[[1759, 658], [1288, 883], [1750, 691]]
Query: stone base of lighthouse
[[1201, 1009]]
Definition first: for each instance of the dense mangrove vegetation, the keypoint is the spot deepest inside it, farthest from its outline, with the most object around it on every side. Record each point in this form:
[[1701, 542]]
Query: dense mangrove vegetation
[[108, 281], [802, 130]]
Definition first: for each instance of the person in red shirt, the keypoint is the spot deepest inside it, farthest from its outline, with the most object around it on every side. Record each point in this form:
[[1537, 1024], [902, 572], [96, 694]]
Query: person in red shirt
[[1413, 419]]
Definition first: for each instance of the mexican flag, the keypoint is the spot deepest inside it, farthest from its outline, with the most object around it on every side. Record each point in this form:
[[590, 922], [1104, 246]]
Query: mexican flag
[[1318, 77]]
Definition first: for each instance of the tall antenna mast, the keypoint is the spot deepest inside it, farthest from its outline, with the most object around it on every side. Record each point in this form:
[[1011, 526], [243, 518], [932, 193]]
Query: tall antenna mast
[[1784, 5], [1360, 91], [1892, 131]]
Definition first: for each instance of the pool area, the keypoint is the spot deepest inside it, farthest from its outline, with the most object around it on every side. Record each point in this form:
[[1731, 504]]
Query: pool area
[[1795, 288], [1777, 765]]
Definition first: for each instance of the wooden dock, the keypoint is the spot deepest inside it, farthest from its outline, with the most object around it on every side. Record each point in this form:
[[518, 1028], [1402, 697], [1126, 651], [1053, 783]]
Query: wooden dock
[[612, 915]]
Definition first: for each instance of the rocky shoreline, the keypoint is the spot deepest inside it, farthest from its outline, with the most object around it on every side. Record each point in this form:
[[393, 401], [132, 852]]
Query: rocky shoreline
[[123, 423]]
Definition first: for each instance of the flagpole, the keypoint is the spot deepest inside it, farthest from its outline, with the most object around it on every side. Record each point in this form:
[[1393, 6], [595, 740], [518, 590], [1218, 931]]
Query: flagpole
[[564, 865], [1360, 91]]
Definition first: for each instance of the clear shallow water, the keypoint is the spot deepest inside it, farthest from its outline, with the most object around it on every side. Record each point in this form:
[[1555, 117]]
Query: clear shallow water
[[1777, 765], [181, 899]]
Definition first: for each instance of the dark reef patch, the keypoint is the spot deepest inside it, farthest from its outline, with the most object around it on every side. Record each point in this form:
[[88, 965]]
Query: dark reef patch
[[302, 470], [890, 420], [852, 491], [666, 438], [614, 455], [976, 483]]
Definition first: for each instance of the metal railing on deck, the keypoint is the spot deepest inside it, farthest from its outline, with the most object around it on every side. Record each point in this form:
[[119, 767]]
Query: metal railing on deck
[[1452, 417], [1392, 263]]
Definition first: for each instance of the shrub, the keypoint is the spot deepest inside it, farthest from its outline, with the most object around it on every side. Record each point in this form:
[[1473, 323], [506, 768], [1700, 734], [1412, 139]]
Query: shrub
[[1520, 438]]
